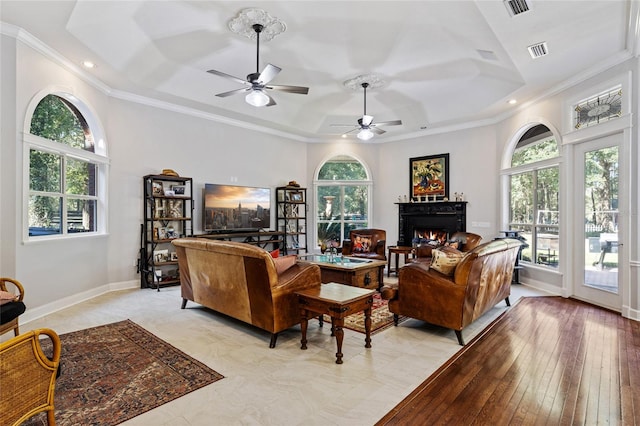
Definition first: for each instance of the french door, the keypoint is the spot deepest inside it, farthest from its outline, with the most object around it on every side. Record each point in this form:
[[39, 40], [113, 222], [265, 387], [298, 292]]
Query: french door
[[598, 239]]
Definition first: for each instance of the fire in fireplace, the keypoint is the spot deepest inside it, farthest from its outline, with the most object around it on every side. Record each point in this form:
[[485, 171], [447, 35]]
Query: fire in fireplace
[[430, 235]]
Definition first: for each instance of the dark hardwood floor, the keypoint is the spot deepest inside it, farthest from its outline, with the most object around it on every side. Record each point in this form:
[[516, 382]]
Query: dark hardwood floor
[[548, 360]]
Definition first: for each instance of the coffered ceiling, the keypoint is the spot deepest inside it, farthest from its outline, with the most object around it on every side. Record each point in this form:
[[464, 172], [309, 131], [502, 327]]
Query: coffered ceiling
[[442, 63]]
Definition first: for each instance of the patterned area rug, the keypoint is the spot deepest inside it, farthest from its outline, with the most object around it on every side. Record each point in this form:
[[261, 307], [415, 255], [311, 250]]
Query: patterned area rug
[[115, 372], [381, 318]]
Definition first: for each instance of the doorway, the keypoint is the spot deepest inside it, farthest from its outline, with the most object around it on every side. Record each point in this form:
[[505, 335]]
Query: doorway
[[599, 225]]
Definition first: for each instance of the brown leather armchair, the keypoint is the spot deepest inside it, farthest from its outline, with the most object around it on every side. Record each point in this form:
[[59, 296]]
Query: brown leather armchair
[[366, 243], [481, 279], [466, 242]]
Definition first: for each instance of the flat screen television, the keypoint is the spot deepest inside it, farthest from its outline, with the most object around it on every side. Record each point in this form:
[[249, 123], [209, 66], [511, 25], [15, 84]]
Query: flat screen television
[[232, 208]]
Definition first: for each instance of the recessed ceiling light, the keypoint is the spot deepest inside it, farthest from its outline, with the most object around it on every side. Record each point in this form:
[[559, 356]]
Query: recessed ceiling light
[[88, 64], [512, 101]]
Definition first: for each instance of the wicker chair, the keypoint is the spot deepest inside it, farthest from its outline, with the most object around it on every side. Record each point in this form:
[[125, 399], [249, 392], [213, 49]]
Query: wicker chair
[[9, 312], [28, 377]]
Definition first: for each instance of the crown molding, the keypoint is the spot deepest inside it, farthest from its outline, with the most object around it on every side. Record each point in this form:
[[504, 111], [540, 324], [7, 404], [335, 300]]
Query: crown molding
[[33, 42]]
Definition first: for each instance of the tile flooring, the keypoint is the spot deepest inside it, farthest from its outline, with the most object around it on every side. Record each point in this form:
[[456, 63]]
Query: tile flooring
[[284, 385]]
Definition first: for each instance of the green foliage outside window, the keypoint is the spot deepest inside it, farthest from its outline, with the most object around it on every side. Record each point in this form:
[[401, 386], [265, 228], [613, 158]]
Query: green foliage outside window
[[57, 120], [344, 204]]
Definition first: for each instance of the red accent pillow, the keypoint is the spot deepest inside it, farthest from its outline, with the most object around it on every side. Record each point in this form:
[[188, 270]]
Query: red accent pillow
[[275, 253], [285, 262]]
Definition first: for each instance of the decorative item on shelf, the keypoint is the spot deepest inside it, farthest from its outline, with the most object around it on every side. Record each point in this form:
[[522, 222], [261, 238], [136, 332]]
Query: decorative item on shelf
[[157, 188], [178, 189], [459, 197], [169, 193], [293, 184], [169, 172], [175, 208]]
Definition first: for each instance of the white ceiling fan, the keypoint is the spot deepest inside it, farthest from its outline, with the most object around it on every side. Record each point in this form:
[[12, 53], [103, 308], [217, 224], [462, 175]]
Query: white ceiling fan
[[366, 127], [256, 83]]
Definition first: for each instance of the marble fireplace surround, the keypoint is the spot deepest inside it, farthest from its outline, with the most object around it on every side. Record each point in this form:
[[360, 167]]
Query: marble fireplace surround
[[449, 216]]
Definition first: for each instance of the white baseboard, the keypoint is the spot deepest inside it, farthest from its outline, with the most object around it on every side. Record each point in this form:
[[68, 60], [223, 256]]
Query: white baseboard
[[539, 285], [41, 311], [633, 314]]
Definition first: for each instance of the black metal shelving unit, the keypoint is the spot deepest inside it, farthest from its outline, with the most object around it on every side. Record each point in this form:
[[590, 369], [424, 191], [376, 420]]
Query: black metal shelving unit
[[168, 214]]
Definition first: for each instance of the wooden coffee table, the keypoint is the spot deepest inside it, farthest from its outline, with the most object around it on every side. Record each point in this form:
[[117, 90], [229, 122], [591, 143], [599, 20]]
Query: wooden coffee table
[[357, 272], [338, 301]]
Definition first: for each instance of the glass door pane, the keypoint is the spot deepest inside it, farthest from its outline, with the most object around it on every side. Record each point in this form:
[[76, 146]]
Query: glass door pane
[[601, 219]]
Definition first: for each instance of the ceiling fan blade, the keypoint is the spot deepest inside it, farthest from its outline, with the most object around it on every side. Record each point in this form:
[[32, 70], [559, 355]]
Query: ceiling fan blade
[[221, 74], [390, 123], [231, 92], [344, 125], [376, 130], [272, 102], [351, 131], [268, 73], [366, 120], [290, 89]]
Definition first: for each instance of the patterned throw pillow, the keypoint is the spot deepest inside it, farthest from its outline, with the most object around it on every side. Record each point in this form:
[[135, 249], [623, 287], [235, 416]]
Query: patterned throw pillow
[[361, 243], [445, 259]]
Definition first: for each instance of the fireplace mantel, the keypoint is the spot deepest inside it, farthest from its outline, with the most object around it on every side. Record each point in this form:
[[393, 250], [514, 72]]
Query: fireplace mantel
[[442, 215]]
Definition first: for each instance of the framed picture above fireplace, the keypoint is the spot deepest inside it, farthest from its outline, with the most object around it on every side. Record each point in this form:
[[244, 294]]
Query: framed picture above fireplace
[[429, 176]]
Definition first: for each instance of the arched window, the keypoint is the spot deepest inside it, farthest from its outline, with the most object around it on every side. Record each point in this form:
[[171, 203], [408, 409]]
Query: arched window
[[66, 176], [534, 193], [343, 192]]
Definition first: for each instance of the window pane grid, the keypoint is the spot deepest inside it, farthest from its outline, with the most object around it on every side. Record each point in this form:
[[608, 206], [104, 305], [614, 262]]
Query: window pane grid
[[63, 171]]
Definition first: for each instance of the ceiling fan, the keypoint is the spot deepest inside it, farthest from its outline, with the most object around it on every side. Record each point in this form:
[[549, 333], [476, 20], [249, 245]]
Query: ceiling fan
[[256, 83], [365, 123]]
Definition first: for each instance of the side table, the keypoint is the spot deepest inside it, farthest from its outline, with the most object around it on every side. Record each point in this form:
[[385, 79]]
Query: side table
[[338, 301], [397, 251]]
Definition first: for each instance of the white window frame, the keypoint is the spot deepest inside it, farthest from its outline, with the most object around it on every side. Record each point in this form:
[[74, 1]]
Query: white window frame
[[368, 183], [99, 158]]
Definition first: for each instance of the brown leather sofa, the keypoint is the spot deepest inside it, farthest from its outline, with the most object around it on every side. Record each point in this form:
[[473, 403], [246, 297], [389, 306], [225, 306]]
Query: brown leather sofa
[[466, 241], [366, 243], [242, 281], [480, 281]]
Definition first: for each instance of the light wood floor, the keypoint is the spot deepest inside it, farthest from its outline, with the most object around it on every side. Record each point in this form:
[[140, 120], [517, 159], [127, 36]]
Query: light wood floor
[[548, 361]]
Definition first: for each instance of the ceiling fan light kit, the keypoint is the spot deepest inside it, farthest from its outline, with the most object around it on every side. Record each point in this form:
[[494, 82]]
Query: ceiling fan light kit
[[257, 98], [365, 134]]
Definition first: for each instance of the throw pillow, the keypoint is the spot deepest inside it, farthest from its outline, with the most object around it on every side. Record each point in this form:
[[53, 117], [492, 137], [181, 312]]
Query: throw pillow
[[445, 259], [361, 243], [275, 253], [284, 262], [453, 244], [6, 297]]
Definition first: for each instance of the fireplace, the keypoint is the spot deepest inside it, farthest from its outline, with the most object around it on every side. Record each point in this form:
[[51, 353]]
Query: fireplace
[[439, 236], [444, 217]]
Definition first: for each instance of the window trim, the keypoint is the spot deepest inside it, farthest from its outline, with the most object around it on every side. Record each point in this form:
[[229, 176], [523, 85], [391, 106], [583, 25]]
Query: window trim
[[507, 171], [99, 158], [368, 183]]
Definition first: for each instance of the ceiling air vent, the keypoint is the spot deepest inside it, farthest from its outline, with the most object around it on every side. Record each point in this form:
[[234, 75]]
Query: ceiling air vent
[[516, 7], [538, 50]]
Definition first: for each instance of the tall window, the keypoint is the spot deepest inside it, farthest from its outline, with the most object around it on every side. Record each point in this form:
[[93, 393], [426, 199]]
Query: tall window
[[64, 171], [342, 193], [534, 195]]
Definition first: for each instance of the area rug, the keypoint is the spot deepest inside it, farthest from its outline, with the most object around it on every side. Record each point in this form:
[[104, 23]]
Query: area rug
[[381, 318], [115, 372]]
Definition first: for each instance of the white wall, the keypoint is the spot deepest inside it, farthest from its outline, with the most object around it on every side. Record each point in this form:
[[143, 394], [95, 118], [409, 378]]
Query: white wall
[[144, 139], [140, 140]]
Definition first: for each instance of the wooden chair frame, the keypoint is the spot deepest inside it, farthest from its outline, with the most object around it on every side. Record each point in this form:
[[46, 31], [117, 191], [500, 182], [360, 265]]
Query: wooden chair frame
[[28, 377], [13, 324]]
